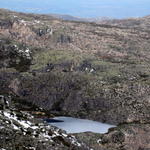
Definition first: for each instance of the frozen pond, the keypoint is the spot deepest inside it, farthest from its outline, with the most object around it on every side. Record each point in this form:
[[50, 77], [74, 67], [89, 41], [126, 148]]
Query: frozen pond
[[74, 125]]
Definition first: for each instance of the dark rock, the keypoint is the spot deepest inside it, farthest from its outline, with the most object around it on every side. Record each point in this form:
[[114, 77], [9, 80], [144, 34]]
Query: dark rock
[[2, 102], [14, 55], [52, 120], [64, 39]]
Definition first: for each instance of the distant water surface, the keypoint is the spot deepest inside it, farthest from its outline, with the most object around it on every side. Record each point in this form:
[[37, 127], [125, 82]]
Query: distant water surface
[[82, 8], [74, 125]]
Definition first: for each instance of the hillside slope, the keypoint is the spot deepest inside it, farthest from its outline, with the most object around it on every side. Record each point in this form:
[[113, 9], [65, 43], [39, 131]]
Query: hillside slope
[[87, 70]]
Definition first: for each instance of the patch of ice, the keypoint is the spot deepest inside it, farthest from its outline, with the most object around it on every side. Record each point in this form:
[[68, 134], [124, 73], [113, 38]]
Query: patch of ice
[[74, 125]]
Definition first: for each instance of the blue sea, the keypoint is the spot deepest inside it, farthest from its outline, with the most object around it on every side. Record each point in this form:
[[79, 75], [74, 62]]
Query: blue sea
[[82, 8]]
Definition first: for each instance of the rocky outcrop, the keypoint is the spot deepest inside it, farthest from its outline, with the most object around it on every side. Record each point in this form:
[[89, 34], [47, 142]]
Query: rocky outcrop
[[124, 137], [44, 31], [14, 55], [20, 130], [128, 137]]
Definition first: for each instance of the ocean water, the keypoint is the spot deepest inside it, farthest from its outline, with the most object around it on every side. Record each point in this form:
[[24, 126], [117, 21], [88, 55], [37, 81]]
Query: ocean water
[[82, 8], [74, 125]]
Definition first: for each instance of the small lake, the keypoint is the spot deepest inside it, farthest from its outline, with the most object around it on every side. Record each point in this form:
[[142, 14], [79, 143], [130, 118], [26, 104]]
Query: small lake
[[74, 125]]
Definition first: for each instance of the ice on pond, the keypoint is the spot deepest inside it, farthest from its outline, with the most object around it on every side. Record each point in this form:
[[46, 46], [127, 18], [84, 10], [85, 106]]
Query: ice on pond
[[74, 125]]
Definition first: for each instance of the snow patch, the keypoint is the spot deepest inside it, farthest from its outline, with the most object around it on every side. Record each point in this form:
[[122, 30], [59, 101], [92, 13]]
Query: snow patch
[[36, 21], [25, 124], [15, 16]]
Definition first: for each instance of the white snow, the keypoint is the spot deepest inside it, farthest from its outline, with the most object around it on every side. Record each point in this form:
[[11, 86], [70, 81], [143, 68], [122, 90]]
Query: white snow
[[15, 127], [27, 50], [30, 148], [99, 140], [92, 70], [21, 51], [44, 129], [74, 141], [34, 127], [22, 21], [65, 135], [36, 21], [26, 53], [25, 124], [15, 16]]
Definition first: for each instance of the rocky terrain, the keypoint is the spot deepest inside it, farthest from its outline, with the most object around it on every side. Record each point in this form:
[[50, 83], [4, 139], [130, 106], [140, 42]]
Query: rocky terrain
[[20, 130], [99, 71]]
